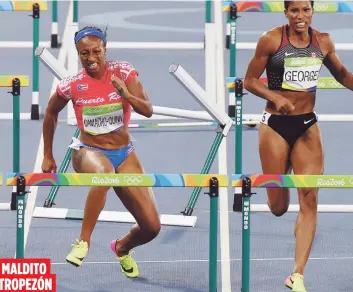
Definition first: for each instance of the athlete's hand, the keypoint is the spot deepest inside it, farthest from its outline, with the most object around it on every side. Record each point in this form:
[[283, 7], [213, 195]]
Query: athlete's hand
[[284, 105], [120, 86], [48, 164]]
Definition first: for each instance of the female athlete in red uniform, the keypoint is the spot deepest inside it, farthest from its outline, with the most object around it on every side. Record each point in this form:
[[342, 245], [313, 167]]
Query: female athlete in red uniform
[[103, 93], [289, 136]]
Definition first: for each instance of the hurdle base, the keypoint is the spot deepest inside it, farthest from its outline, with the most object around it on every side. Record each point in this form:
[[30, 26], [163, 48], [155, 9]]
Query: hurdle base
[[323, 208], [5, 206], [48, 203], [111, 216], [188, 211]]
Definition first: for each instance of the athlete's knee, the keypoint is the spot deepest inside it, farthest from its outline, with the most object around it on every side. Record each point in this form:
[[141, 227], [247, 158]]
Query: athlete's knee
[[278, 209], [308, 200], [278, 202], [152, 228]]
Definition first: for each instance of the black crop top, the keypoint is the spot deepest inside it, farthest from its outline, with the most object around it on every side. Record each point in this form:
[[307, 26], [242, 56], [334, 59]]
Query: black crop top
[[294, 68]]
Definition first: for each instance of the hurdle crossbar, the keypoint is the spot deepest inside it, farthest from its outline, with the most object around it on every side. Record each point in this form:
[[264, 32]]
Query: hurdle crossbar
[[294, 181], [117, 180]]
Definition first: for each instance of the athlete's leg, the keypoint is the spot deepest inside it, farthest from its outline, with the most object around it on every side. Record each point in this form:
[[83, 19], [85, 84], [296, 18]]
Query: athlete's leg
[[140, 202], [274, 155], [91, 161], [307, 158]]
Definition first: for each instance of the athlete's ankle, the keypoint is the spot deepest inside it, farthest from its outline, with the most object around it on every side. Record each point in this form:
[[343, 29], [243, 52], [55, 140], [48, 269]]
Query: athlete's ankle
[[120, 249], [85, 239], [298, 270]]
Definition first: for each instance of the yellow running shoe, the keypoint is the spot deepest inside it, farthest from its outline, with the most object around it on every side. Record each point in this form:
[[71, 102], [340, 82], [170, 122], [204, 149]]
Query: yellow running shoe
[[295, 282], [127, 263], [78, 253]]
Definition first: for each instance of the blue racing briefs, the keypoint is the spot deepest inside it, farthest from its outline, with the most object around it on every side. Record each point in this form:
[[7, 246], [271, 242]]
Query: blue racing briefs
[[116, 156]]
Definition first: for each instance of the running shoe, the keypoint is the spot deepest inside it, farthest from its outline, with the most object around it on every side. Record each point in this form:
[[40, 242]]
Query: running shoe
[[295, 282], [127, 263], [78, 253]]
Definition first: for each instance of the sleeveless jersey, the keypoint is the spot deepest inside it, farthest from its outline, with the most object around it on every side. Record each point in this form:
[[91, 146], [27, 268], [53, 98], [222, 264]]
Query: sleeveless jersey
[[295, 69], [99, 109]]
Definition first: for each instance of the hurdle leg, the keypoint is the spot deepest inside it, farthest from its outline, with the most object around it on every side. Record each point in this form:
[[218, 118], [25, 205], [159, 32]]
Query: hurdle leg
[[16, 91], [35, 85], [54, 43], [246, 193], [21, 206], [213, 241], [206, 168], [49, 202]]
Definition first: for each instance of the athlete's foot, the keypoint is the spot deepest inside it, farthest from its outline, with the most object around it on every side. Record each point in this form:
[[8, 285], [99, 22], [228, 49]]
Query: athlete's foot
[[127, 263], [295, 282], [78, 253]]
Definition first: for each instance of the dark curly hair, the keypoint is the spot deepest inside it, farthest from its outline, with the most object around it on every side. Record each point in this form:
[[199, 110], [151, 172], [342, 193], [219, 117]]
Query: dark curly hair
[[105, 31], [287, 3]]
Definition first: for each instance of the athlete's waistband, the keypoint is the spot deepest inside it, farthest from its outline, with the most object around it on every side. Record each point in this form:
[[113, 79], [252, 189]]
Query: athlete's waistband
[[77, 144], [266, 115], [107, 150]]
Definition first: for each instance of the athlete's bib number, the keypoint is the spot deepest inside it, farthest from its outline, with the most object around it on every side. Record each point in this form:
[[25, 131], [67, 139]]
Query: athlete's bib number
[[103, 119], [265, 116], [301, 73]]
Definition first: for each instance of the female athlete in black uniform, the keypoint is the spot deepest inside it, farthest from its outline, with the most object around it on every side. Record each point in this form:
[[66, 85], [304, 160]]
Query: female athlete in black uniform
[[289, 136]]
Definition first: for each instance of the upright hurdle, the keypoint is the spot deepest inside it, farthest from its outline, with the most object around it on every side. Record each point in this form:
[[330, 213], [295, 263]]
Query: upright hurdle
[[15, 82], [213, 182], [35, 7], [247, 182]]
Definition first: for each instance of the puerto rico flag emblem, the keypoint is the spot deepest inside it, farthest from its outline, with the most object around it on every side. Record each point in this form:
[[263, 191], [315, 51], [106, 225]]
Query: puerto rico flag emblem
[[82, 87]]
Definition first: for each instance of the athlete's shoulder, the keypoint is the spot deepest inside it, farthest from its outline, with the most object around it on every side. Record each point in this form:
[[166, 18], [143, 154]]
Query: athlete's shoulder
[[122, 68], [65, 85], [275, 32], [122, 65], [270, 40], [322, 36], [324, 39], [72, 78]]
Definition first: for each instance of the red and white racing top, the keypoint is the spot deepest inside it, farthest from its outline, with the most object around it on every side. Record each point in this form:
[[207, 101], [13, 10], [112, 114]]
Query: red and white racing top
[[99, 109]]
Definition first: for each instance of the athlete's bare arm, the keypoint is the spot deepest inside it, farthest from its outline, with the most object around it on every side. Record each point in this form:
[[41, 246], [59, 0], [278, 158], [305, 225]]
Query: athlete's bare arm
[[138, 98], [134, 93], [55, 105], [266, 46], [333, 63]]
